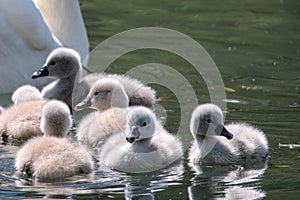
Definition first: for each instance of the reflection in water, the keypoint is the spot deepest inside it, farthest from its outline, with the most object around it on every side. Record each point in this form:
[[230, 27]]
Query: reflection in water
[[143, 186], [103, 183], [226, 182], [110, 184]]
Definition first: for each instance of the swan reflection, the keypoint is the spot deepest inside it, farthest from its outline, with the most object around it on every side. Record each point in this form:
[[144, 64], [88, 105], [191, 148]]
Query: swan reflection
[[226, 182]]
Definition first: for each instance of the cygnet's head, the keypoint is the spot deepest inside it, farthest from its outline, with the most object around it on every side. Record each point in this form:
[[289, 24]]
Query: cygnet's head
[[207, 120], [105, 93], [61, 63], [56, 119], [26, 93], [140, 124]]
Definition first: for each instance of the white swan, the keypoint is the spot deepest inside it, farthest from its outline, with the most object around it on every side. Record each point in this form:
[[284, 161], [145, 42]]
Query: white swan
[[242, 142], [26, 93], [30, 30], [53, 156], [143, 146], [109, 98]]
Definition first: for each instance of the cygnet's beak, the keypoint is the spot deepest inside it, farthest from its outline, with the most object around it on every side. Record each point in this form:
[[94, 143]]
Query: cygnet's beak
[[41, 73], [84, 104], [226, 133], [133, 134]]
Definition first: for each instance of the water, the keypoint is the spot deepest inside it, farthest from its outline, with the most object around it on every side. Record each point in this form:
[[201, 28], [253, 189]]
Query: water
[[255, 45]]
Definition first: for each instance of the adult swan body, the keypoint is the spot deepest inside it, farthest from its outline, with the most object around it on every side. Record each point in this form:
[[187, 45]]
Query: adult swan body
[[30, 30]]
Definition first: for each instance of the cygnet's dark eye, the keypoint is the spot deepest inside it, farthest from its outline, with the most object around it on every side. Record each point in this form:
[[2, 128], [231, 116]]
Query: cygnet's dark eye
[[208, 121], [144, 124], [96, 93], [52, 63]]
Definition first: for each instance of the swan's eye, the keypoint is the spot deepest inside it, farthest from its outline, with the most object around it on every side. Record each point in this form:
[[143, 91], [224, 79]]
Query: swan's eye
[[52, 63], [96, 93], [144, 124], [208, 121]]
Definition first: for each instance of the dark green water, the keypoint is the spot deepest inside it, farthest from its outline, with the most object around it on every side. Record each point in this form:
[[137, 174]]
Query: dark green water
[[256, 46]]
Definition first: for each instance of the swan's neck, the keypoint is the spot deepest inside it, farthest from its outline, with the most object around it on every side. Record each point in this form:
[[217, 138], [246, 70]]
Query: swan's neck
[[119, 103], [70, 31], [61, 89], [68, 83], [120, 99], [200, 139], [206, 144], [75, 76]]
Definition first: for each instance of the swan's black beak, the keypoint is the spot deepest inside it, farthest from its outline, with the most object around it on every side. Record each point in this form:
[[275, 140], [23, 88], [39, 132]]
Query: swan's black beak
[[41, 73], [226, 133], [133, 134]]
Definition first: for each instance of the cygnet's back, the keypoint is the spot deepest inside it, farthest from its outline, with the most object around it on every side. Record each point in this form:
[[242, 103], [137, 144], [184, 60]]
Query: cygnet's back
[[26, 93], [51, 156], [94, 128], [21, 121]]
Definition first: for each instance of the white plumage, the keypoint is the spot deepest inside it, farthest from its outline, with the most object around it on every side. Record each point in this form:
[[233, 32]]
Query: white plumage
[[30, 30]]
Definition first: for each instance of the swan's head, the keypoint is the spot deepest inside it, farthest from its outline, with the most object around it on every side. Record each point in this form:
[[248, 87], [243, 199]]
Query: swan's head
[[56, 119], [105, 93], [26, 93], [61, 63], [140, 124], [207, 119]]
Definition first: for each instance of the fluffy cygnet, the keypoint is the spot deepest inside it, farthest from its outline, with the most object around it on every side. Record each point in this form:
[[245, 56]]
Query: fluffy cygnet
[[21, 121], [242, 143], [109, 98], [62, 64], [53, 156], [143, 146]]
